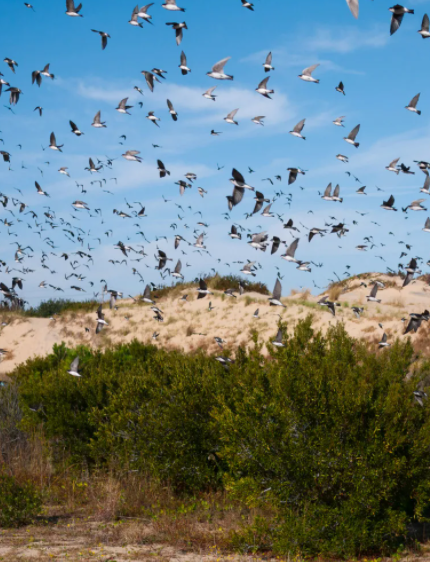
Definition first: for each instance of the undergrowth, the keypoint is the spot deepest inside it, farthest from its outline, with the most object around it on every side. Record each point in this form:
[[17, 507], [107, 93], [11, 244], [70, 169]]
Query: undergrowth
[[319, 449]]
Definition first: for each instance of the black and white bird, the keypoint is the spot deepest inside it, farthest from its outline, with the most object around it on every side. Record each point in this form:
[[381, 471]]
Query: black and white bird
[[104, 36], [388, 205], [217, 71], [133, 19], [230, 117], [203, 289], [209, 95], [340, 88], [101, 322], [178, 27], [162, 169], [36, 75], [291, 251], [373, 293], [306, 74], [123, 107], [350, 139], [384, 342], [97, 123], [297, 130], [75, 129], [172, 7], [53, 143], [398, 12], [71, 10], [183, 66], [74, 366], [413, 105], [278, 340], [268, 63], [263, 89], [425, 27], [172, 110], [275, 299]]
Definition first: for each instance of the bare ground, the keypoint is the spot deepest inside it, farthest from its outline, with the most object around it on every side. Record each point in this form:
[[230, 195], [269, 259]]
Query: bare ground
[[124, 542], [114, 542]]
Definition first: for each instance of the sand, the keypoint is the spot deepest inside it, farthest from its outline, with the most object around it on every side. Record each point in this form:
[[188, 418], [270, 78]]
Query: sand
[[189, 326]]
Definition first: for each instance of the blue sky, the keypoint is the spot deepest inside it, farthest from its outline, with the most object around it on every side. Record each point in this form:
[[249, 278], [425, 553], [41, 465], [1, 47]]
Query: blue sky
[[380, 73]]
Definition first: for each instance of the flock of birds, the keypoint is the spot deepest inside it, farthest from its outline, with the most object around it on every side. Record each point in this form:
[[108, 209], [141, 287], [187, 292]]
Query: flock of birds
[[77, 244]]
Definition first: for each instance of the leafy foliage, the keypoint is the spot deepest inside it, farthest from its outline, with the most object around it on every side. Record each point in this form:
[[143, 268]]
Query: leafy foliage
[[216, 282], [19, 503], [324, 436], [55, 306]]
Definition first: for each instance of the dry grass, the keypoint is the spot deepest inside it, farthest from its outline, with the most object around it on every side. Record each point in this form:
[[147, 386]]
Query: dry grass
[[119, 507], [190, 330], [398, 303], [334, 292]]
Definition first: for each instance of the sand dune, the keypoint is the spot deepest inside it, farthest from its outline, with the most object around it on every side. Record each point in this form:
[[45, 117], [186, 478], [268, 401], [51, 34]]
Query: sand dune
[[189, 325]]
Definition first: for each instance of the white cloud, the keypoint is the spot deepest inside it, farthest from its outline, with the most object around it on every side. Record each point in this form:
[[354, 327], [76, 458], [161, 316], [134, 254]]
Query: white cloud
[[345, 40]]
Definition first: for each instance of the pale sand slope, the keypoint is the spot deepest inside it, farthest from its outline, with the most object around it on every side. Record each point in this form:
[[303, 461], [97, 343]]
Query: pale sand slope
[[232, 319]]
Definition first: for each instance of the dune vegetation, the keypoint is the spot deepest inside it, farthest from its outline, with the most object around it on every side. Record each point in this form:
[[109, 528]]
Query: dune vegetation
[[319, 448]]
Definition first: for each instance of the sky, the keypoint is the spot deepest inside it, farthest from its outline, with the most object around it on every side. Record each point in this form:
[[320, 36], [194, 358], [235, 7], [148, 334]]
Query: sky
[[381, 74]]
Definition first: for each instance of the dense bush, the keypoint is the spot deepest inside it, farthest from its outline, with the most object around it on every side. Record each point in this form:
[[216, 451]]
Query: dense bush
[[330, 434], [12, 438], [324, 435], [215, 282], [19, 503], [55, 306]]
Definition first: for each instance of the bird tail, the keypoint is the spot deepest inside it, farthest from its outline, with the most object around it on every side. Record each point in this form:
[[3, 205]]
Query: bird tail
[[357, 144], [419, 112]]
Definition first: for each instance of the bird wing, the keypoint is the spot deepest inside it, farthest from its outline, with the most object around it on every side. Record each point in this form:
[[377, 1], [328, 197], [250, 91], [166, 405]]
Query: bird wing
[[74, 365], [149, 80], [291, 250], [144, 9], [396, 20], [219, 66], [238, 194], [353, 6], [232, 114], [263, 83], [298, 128], [237, 176], [354, 133], [308, 71], [327, 191], [277, 290], [414, 101]]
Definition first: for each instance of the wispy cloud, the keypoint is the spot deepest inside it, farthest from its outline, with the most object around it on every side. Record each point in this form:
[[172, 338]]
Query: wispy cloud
[[345, 40]]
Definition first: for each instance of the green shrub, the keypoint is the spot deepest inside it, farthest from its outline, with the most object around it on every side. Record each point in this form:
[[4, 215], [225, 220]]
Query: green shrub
[[215, 282], [324, 437], [329, 435], [19, 503], [55, 306]]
